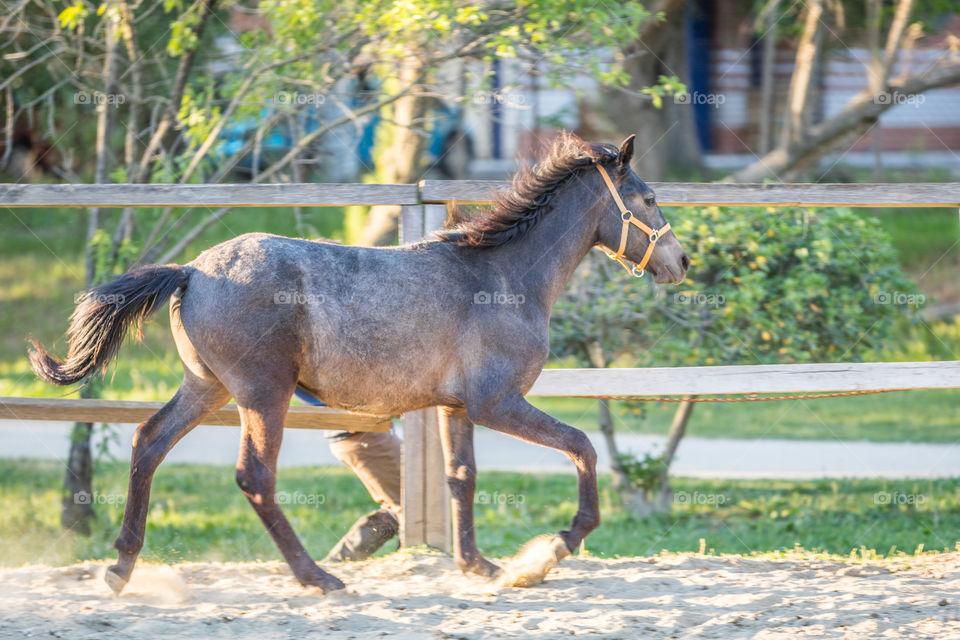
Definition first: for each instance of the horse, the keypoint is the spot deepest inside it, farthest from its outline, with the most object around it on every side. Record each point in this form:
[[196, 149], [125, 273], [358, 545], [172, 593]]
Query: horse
[[457, 321]]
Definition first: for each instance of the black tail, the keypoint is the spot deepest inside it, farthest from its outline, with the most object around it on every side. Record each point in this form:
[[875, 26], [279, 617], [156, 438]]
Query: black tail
[[100, 322]]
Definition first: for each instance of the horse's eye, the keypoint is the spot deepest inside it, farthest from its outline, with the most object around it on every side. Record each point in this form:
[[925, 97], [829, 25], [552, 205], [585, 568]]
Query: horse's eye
[[650, 200]]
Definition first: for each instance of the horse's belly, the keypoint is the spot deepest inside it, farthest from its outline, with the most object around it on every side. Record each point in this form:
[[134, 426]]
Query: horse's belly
[[374, 392]]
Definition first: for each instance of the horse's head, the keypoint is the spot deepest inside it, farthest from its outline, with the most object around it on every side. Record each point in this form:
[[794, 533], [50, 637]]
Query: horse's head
[[632, 227]]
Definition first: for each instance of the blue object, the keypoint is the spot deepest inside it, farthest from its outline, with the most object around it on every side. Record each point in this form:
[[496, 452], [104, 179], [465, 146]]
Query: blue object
[[308, 397], [698, 42]]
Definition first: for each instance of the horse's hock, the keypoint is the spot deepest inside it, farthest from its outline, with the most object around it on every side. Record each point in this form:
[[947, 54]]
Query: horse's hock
[[426, 501]]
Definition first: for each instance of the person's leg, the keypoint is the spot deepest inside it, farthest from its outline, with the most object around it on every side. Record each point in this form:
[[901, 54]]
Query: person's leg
[[375, 459]]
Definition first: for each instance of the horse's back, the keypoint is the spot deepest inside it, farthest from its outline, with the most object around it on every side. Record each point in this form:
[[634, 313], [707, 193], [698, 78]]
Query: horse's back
[[371, 316]]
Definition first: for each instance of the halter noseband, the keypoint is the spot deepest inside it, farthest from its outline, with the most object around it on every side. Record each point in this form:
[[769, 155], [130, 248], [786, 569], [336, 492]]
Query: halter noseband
[[628, 218]]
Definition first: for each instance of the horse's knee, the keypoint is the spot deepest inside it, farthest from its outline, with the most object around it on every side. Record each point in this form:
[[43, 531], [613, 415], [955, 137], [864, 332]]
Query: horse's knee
[[253, 482], [581, 450], [145, 453]]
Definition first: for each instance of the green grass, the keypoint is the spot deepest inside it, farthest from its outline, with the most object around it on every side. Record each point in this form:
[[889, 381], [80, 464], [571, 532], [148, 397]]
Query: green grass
[[197, 513], [919, 234], [903, 416]]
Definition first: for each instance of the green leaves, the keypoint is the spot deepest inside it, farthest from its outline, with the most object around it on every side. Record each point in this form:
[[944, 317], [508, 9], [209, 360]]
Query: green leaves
[[666, 86], [72, 16], [198, 115], [183, 37]]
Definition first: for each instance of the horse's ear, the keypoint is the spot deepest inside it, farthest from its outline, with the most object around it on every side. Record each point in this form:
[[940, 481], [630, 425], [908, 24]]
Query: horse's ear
[[626, 150]]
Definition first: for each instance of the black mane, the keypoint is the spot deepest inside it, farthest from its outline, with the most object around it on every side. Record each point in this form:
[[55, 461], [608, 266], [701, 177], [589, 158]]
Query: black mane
[[533, 188]]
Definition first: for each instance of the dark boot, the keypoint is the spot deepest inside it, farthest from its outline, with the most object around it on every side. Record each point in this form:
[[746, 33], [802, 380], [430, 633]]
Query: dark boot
[[367, 534]]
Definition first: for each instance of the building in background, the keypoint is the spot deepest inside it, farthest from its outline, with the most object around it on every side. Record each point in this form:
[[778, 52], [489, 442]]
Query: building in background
[[724, 78]]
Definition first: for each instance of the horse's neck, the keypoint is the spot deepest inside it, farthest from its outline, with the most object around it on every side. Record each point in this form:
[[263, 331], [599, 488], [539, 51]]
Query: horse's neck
[[540, 263]]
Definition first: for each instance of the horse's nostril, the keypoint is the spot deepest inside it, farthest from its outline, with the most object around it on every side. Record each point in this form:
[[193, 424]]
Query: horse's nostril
[[685, 262]]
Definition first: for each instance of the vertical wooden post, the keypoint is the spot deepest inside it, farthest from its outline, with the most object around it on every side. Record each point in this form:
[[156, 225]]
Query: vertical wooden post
[[424, 494], [437, 495]]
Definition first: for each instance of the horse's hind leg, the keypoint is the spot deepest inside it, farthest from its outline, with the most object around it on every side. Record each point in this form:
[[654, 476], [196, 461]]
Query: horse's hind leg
[[153, 439], [456, 435], [257, 477]]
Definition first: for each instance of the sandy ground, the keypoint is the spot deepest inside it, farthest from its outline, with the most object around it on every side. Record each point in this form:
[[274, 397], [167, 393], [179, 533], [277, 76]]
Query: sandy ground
[[409, 595]]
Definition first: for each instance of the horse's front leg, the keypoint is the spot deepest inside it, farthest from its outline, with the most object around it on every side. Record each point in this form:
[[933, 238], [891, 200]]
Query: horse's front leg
[[515, 416], [456, 437]]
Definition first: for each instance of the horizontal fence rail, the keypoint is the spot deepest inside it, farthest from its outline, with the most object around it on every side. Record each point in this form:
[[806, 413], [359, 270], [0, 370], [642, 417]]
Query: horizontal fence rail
[[946, 194], [121, 411], [756, 378], [206, 195], [899, 195]]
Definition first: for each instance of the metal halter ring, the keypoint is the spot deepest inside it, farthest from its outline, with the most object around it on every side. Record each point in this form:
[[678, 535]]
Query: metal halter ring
[[654, 235], [626, 215], [636, 273]]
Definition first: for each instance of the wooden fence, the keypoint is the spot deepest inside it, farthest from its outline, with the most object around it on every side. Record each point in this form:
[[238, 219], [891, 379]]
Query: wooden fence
[[423, 209]]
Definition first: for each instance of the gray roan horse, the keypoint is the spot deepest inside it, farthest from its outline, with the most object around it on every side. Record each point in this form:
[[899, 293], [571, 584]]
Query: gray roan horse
[[380, 331]]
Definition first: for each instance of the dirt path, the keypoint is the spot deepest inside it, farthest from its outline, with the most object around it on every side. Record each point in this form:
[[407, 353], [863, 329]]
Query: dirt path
[[406, 595]]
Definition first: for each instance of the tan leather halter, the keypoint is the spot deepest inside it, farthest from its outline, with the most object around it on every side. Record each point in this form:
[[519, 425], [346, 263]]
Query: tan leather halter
[[628, 218]]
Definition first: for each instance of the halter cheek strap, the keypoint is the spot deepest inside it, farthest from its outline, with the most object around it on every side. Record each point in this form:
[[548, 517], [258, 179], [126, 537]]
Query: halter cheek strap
[[628, 218]]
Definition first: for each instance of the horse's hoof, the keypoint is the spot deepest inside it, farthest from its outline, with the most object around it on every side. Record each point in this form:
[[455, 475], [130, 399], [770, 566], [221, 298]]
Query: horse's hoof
[[483, 568], [534, 561], [114, 581], [325, 582]]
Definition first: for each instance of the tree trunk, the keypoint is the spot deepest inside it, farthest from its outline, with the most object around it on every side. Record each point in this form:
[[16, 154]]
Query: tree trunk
[[621, 481], [647, 501], [768, 77], [876, 81], [77, 509], [76, 513], [678, 428], [402, 161], [798, 98], [665, 136]]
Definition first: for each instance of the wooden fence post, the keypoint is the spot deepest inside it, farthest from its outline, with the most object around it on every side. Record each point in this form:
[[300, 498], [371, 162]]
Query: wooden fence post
[[424, 494]]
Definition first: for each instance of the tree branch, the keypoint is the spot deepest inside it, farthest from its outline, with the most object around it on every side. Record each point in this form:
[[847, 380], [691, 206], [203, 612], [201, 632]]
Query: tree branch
[[176, 96], [862, 110]]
